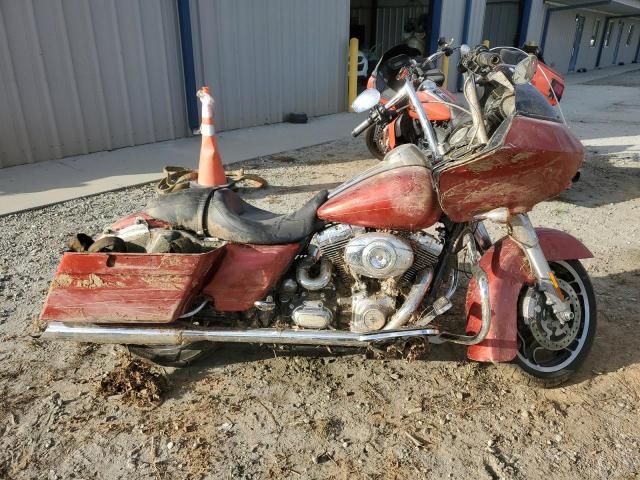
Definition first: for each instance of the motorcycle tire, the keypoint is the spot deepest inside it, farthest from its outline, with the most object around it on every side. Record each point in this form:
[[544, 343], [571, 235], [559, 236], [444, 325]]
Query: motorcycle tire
[[372, 139], [175, 356], [577, 287]]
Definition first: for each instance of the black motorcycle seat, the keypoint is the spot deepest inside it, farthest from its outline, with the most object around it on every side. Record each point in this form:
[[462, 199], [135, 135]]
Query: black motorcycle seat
[[230, 218]]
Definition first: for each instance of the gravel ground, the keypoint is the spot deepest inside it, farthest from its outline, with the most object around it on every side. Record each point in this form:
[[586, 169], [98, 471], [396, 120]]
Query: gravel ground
[[250, 412]]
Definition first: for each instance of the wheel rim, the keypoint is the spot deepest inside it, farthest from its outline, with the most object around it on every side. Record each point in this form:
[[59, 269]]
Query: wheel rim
[[378, 138], [531, 353]]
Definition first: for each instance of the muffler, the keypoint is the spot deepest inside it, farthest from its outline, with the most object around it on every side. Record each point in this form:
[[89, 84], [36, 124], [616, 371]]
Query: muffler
[[182, 336]]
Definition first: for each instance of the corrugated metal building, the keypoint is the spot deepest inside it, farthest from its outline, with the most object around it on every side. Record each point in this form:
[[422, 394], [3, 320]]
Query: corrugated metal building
[[264, 59], [573, 34], [79, 77], [586, 34], [383, 21]]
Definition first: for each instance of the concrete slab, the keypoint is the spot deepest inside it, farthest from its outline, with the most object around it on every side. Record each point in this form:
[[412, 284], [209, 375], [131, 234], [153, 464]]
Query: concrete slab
[[604, 111], [30, 186]]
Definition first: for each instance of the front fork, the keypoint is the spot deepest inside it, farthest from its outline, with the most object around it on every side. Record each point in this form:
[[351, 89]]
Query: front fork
[[521, 230]]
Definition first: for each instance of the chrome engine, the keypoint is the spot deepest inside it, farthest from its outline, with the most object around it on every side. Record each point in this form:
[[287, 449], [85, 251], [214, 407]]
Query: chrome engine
[[378, 255], [370, 312], [375, 267], [333, 243]]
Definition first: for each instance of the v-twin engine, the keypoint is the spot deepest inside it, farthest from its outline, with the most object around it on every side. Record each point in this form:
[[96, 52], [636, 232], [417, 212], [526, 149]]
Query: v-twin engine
[[373, 269], [352, 250]]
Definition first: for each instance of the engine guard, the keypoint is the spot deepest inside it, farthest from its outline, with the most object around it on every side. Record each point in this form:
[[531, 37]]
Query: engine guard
[[508, 271]]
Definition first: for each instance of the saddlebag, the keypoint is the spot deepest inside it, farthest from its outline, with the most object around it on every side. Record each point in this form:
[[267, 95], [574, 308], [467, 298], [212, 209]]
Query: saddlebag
[[126, 287]]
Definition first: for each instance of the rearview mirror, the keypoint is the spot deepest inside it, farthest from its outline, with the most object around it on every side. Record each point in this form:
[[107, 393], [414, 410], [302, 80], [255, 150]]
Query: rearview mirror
[[366, 100], [525, 70]]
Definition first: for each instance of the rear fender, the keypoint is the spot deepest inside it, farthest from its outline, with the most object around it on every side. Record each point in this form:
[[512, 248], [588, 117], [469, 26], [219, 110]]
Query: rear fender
[[508, 271]]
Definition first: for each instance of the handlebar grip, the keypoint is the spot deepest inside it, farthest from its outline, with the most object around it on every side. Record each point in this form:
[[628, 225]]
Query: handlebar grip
[[487, 59], [361, 128]]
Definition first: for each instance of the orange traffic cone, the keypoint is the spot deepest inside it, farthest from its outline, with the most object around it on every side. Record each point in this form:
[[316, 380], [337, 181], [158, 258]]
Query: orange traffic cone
[[210, 169]]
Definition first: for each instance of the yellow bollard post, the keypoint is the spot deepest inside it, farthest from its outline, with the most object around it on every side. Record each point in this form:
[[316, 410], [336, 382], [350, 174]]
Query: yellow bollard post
[[486, 43], [445, 70], [353, 71]]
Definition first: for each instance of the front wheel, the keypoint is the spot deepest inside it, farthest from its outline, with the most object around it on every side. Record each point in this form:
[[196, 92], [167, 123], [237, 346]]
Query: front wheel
[[550, 351], [374, 139]]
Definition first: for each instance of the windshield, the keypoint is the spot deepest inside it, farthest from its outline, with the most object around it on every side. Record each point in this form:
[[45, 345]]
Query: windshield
[[531, 103]]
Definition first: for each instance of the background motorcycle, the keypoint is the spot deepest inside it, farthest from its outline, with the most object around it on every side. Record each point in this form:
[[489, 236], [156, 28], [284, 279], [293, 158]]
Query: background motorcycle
[[356, 267], [401, 126]]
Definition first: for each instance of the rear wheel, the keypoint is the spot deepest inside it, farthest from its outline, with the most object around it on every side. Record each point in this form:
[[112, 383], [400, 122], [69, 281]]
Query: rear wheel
[[374, 138], [550, 351], [176, 356]]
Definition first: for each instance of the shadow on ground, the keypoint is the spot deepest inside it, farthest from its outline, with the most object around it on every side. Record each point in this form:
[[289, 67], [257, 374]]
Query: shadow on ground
[[614, 348], [602, 183]]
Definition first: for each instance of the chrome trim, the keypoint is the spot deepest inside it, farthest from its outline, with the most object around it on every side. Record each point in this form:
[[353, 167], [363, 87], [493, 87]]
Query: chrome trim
[[427, 128], [195, 310], [525, 235], [318, 282], [483, 286], [412, 302], [471, 95], [357, 255], [137, 335], [453, 282]]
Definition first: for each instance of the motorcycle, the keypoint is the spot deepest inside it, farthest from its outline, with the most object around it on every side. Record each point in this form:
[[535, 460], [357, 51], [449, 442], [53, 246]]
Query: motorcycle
[[356, 267], [400, 126]]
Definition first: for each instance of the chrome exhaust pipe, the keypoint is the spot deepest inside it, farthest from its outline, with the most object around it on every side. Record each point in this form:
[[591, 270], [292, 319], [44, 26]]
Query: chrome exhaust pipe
[[180, 336], [412, 302]]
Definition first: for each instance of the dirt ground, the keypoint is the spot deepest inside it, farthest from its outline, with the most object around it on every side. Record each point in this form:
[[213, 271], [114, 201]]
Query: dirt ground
[[250, 412]]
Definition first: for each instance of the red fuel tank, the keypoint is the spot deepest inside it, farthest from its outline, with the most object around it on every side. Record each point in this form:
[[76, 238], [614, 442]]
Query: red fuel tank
[[397, 193], [432, 104]]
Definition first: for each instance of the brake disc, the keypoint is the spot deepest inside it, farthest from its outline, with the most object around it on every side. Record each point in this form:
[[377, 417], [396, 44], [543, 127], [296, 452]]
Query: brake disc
[[550, 332]]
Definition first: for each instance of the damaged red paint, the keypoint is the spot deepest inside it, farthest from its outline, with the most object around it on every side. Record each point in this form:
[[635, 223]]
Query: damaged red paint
[[401, 198], [125, 287], [535, 161], [247, 273]]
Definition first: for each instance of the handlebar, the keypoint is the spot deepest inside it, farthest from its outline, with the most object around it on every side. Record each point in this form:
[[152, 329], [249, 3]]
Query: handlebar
[[362, 127], [478, 60], [487, 59]]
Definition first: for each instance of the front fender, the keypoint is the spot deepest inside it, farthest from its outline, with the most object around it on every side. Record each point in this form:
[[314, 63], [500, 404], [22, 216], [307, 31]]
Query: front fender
[[508, 271]]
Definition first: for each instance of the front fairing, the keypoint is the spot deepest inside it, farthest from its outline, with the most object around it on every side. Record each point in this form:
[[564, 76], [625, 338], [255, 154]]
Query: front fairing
[[532, 156]]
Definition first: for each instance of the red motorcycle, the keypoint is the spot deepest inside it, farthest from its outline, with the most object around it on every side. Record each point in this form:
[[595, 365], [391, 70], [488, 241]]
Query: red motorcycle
[[445, 112], [402, 126], [355, 267]]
